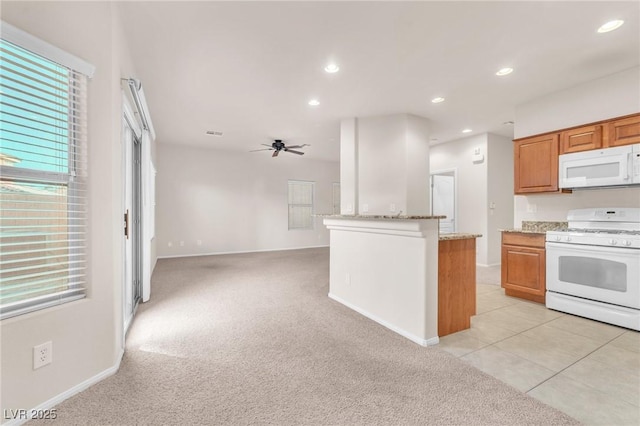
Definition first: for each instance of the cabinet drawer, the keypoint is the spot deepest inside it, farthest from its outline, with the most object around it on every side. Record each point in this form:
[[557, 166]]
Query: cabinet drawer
[[523, 239], [581, 139]]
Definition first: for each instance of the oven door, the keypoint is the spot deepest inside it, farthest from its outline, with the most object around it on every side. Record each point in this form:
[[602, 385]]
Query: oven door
[[604, 274]]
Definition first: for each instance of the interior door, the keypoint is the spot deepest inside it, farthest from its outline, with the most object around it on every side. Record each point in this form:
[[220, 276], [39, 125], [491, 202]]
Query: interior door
[[131, 223], [443, 199]]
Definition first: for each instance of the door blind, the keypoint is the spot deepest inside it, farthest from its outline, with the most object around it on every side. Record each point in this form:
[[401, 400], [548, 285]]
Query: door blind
[[43, 165]]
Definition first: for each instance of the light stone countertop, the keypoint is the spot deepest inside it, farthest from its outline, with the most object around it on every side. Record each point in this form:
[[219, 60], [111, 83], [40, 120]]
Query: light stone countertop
[[458, 236], [362, 216], [532, 227]]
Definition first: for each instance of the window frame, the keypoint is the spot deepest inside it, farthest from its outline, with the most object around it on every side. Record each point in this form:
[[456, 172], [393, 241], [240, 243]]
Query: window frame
[[73, 180], [290, 205]]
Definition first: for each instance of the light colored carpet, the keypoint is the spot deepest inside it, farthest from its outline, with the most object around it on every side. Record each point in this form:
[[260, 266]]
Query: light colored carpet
[[254, 339]]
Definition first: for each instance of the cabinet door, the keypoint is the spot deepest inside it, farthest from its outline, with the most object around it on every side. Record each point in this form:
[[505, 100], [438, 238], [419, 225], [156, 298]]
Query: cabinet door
[[581, 139], [623, 132], [523, 271], [536, 164]]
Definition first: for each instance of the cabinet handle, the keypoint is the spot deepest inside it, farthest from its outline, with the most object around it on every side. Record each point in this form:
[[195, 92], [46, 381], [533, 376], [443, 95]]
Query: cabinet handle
[[126, 224]]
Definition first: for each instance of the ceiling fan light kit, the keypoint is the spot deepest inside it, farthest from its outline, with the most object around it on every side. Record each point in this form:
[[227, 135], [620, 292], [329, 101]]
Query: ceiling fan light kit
[[278, 146]]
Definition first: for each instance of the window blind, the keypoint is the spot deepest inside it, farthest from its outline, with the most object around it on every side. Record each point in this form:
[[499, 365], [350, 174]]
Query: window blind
[[300, 205], [43, 165]]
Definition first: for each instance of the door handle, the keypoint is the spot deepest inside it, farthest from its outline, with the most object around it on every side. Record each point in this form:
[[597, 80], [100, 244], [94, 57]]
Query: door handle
[[126, 224]]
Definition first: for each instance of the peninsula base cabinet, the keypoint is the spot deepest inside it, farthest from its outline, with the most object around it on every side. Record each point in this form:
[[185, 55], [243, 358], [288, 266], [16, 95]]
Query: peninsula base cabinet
[[523, 265], [456, 284]]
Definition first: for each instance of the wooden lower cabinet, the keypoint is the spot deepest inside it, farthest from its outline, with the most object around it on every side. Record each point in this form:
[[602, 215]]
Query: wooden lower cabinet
[[524, 265], [456, 284]]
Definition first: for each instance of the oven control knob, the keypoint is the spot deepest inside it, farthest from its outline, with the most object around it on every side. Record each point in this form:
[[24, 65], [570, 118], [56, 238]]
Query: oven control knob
[[613, 242], [625, 242], [558, 237], [567, 238]]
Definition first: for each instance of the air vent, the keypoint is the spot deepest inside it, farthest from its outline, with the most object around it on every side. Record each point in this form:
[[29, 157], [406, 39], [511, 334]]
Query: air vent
[[214, 133]]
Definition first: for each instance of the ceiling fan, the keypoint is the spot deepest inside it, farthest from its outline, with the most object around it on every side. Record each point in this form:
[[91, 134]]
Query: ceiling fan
[[278, 146]]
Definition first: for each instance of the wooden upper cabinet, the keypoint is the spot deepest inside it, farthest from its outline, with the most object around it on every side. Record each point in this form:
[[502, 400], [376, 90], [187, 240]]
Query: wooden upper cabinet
[[623, 132], [536, 164], [581, 139]]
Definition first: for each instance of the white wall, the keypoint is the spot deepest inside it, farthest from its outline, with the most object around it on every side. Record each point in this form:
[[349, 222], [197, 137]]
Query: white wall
[[234, 202], [349, 166], [471, 185], [608, 97], [385, 162], [499, 192], [86, 334]]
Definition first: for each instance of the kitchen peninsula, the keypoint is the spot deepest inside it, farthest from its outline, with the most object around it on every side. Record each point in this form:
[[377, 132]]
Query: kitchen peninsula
[[386, 268]]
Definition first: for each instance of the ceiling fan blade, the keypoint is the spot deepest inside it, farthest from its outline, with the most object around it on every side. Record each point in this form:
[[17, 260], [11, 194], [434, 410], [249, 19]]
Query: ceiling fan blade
[[265, 149], [298, 146], [270, 146], [275, 153], [295, 152]]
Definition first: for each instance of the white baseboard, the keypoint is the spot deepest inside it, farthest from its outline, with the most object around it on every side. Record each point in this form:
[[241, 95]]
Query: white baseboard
[[238, 252], [51, 403], [422, 342], [488, 265]]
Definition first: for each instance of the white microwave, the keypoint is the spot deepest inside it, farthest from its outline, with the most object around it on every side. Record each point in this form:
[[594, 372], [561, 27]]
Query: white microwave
[[599, 168]]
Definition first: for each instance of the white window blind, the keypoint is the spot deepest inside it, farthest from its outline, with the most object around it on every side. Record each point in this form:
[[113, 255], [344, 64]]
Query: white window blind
[[300, 204], [43, 135]]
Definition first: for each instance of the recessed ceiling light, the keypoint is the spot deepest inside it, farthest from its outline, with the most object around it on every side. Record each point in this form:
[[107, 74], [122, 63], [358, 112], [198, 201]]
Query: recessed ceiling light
[[437, 100], [332, 68], [314, 102], [214, 133], [467, 131], [504, 71], [611, 25]]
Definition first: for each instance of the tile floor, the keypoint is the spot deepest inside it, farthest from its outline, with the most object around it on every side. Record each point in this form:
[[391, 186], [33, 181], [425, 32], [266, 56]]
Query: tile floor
[[585, 368]]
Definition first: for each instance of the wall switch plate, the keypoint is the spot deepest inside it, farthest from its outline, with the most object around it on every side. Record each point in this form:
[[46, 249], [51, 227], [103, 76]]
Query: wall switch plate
[[42, 355], [199, 242], [532, 208], [392, 208], [181, 243], [365, 208], [347, 279], [169, 244]]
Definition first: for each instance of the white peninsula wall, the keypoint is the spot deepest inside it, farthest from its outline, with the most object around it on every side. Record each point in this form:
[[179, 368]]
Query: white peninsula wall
[[384, 249]]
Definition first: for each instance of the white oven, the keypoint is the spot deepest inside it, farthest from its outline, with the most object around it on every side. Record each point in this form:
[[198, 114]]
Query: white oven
[[593, 269]]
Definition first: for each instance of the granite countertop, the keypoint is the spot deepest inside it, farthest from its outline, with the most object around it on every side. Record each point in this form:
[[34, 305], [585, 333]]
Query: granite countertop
[[531, 227], [458, 236], [362, 216]]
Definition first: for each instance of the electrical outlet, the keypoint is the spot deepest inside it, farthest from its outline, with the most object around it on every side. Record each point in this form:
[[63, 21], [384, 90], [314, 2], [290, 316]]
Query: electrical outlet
[[169, 244], [199, 242], [392, 208], [532, 208], [181, 243], [42, 355], [365, 208]]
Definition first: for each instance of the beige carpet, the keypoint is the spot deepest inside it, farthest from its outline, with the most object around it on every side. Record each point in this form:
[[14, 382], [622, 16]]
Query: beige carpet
[[254, 339]]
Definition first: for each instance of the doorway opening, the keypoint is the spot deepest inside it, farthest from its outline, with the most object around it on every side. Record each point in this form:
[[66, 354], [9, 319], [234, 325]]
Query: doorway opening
[[132, 222], [443, 198]]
